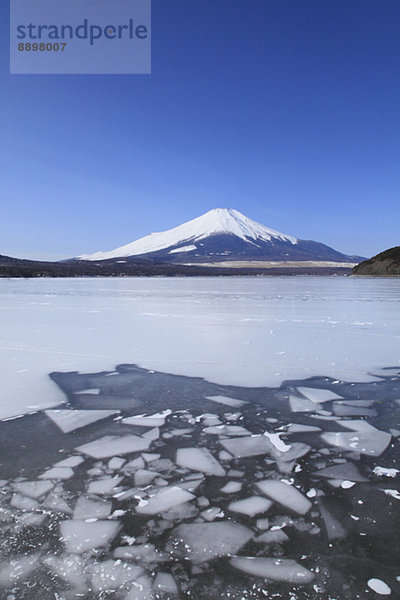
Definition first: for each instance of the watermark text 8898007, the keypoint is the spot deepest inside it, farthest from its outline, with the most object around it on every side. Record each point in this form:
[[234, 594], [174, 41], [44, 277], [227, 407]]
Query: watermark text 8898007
[[42, 47]]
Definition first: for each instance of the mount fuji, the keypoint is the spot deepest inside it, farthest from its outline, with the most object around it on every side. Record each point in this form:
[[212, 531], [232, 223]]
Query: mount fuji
[[222, 234]]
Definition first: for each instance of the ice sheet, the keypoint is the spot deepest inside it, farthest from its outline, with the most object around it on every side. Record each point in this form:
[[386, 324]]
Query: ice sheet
[[199, 459], [86, 508], [318, 395], [79, 536], [248, 446], [227, 401], [164, 500], [276, 569], [292, 317], [364, 438], [70, 420], [285, 494], [109, 575], [255, 505], [110, 445], [33, 489], [200, 542]]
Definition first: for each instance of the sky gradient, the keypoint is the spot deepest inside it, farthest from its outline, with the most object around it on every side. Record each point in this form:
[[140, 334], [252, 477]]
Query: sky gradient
[[286, 110]]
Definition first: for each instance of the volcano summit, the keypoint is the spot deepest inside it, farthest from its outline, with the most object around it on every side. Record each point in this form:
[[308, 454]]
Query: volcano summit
[[223, 234]]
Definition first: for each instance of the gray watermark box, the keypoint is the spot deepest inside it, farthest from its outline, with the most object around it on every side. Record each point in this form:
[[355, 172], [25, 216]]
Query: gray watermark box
[[80, 37]]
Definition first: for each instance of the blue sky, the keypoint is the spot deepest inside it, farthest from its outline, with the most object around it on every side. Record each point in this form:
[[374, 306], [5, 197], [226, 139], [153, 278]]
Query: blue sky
[[287, 110]]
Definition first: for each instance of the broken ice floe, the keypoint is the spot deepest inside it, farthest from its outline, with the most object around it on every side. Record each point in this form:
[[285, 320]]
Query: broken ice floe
[[155, 420], [276, 569], [284, 494], [70, 420], [379, 586], [199, 459], [252, 506], [364, 438], [164, 500], [318, 395], [111, 445], [227, 401], [79, 536], [200, 542], [248, 446]]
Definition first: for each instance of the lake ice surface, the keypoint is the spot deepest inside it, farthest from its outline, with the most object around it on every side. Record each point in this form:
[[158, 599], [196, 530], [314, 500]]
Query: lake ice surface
[[236, 331]]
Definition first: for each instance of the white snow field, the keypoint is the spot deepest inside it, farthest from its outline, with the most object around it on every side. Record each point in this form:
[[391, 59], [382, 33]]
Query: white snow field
[[237, 331]]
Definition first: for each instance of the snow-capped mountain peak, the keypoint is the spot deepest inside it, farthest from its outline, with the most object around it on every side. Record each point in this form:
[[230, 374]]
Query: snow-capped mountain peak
[[183, 238]]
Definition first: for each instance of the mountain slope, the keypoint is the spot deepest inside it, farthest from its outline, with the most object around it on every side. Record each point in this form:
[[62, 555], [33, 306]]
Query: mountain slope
[[222, 234], [386, 263]]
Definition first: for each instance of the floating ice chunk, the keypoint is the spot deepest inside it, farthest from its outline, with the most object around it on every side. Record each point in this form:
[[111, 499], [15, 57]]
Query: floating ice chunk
[[295, 451], [57, 473], [116, 463], [262, 524], [212, 513], [273, 537], [232, 430], [253, 445], [141, 590], [392, 493], [55, 502], [133, 465], [227, 401], [252, 506], [72, 461], [142, 553], [23, 503], [342, 471], [346, 410], [30, 519], [155, 420], [164, 500], [298, 428], [104, 487], [94, 391], [79, 536], [364, 438], [333, 528], [209, 420], [70, 420], [384, 472], [231, 488], [276, 569], [199, 459], [346, 485], [86, 508], [317, 395], [284, 494], [379, 586], [277, 442], [164, 582], [298, 404], [150, 456], [143, 477], [176, 432], [33, 489], [109, 575], [14, 570], [201, 542], [110, 445], [190, 485], [70, 569], [152, 434]]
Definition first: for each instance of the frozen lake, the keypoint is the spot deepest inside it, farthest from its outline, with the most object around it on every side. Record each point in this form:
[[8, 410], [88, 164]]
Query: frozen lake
[[203, 439], [235, 331]]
